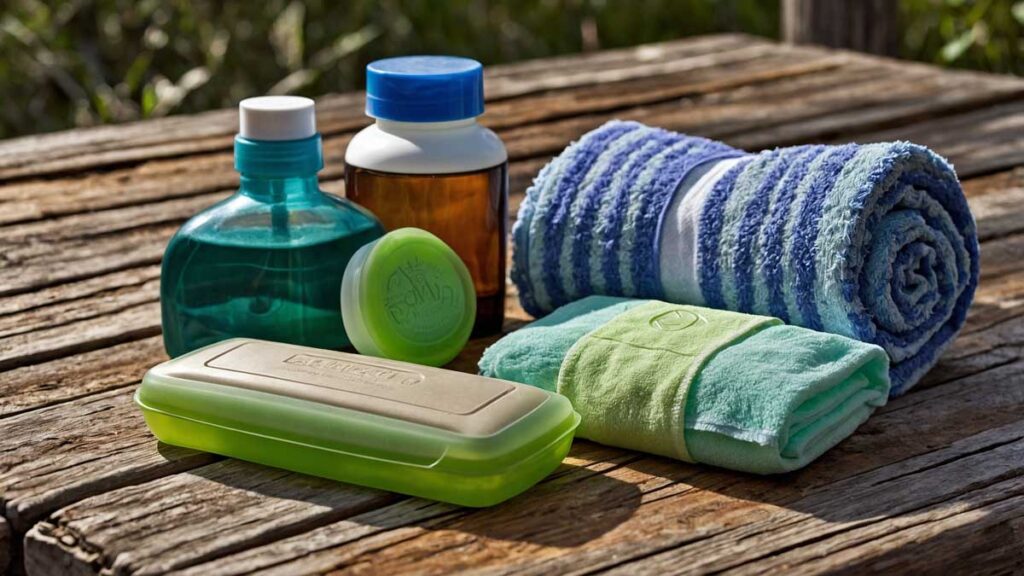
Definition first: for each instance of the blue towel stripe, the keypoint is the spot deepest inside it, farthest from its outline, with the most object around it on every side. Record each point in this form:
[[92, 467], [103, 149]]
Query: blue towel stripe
[[601, 229], [638, 191], [673, 168], [743, 193], [709, 231], [589, 203], [808, 222], [587, 154], [870, 241], [646, 258], [774, 237], [612, 233], [748, 236]]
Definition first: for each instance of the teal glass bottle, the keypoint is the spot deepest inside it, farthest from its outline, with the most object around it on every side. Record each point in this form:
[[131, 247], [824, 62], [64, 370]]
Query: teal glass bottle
[[268, 261]]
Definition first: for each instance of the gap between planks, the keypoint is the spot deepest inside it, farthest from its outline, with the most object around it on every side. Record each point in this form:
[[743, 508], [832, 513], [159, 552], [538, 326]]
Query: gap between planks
[[23, 204], [930, 416], [42, 248], [906, 89], [168, 137], [949, 398], [714, 519]]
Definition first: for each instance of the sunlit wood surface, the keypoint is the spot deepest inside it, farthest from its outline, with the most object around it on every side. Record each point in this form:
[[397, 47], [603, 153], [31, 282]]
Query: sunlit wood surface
[[933, 482]]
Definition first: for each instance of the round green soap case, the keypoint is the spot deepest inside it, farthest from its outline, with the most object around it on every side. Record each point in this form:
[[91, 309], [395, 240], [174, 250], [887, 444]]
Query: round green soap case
[[408, 296]]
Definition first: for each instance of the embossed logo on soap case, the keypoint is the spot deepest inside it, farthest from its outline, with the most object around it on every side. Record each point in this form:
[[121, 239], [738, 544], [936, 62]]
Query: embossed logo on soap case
[[419, 297], [363, 372]]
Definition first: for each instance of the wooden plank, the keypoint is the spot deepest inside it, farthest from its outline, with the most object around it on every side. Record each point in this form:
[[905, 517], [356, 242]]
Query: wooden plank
[[981, 141], [986, 398], [248, 504], [73, 311], [151, 182], [99, 286], [878, 502], [870, 112], [706, 75], [791, 110], [127, 325], [198, 174], [206, 173], [181, 135], [55, 251], [995, 201], [70, 377], [933, 546], [207, 513], [578, 70], [689, 519], [930, 541], [45, 255], [55, 456]]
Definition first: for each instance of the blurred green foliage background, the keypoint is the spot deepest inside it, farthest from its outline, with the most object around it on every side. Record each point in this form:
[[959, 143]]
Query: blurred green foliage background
[[66, 63]]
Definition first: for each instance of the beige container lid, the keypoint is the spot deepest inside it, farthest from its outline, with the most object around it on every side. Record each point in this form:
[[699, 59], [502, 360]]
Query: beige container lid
[[444, 399]]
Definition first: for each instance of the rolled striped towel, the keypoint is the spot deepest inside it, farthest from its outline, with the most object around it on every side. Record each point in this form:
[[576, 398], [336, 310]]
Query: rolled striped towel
[[873, 242]]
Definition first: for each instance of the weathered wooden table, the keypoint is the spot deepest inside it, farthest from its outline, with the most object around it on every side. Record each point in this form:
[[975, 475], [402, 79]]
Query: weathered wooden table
[[934, 482]]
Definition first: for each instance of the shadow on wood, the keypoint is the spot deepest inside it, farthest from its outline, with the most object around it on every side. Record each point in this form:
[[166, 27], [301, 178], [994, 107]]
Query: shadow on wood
[[548, 514]]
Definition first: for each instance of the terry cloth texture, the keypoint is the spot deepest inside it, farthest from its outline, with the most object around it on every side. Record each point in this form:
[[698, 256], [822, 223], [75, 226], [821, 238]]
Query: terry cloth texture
[[733, 390], [874, 242]]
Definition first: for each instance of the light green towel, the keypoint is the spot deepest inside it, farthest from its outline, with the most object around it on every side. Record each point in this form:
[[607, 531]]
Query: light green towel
[[759, 396]]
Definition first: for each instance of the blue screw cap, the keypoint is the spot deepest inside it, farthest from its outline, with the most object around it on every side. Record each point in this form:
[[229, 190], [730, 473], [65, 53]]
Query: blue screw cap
[[424, 89]]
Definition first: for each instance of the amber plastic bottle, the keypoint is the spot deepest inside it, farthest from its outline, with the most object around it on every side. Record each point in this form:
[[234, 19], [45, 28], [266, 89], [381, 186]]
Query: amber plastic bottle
[[427, 163], [468, 211]]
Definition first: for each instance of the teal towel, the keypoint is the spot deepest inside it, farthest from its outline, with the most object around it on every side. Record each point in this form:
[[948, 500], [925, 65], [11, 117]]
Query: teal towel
[[770, 401]]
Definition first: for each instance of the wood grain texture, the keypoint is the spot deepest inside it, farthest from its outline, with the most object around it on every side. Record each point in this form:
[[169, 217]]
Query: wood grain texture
[[54, 456], [226, 506], [202, 172], [80, 246], [915, 443], [189, 515], [70, 377], [118, 308], [979, 141], [185, 135], [930, 482], [903, 98]]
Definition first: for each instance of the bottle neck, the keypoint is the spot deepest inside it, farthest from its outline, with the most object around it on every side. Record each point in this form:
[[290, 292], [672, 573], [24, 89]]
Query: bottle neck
[[279, 189], [396, 127]]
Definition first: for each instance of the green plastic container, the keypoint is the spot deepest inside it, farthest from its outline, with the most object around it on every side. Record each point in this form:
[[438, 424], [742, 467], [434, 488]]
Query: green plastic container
[[408, 296], [417, 430]]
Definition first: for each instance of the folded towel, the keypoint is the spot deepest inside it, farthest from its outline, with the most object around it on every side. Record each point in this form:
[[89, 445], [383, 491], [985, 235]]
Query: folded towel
[[733, 390], [874, 241]]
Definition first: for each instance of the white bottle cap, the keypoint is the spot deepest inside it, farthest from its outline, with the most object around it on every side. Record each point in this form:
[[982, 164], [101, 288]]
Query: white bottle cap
[[276, 118]]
